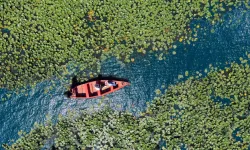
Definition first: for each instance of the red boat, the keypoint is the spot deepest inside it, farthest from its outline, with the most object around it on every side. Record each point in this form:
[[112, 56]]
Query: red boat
[[97, 88]]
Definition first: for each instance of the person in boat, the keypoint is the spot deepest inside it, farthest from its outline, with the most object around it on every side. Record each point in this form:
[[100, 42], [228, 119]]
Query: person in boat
[[111, 83], [97, 86]]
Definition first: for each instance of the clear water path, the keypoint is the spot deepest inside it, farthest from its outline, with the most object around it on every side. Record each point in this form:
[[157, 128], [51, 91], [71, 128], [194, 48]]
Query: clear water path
[[229, 41]]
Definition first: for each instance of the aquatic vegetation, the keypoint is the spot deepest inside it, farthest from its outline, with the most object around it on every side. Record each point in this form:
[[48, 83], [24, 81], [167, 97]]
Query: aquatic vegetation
[[157, 91], [40, 38], [186, 115]]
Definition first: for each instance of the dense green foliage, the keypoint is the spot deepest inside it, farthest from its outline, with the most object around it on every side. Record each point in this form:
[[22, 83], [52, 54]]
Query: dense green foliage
[[39, 38], [191, 114]]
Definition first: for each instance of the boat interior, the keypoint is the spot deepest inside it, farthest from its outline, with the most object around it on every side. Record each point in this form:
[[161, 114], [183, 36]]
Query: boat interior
[[89, 90]]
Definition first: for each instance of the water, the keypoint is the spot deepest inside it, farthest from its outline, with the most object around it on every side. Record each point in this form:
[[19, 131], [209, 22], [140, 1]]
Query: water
[[229, 42]]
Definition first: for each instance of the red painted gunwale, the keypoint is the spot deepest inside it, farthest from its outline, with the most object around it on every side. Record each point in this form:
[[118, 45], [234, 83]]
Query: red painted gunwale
[[88, 90]]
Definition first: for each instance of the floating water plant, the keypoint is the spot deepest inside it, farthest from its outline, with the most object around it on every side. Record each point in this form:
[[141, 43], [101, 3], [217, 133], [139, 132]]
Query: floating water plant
[[188, 114], [158, 91], [44, 36]]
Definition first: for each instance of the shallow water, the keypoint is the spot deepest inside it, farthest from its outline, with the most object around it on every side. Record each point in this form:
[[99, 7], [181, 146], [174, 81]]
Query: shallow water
[[229, 42]]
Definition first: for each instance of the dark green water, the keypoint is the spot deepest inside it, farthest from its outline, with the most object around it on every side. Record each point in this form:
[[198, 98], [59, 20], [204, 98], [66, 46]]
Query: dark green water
[[229, 41]]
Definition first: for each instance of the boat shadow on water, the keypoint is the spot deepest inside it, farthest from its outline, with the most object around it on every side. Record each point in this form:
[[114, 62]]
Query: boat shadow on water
[[75, 82]]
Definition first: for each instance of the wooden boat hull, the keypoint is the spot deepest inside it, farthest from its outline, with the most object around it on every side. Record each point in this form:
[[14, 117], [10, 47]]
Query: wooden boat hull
[[89, 89]]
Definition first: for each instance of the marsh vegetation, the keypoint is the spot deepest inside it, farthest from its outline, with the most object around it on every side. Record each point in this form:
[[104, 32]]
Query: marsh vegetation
[[40, 39], [43, 39], [190, 114]]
